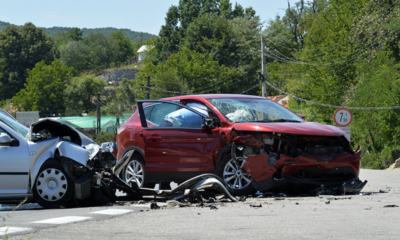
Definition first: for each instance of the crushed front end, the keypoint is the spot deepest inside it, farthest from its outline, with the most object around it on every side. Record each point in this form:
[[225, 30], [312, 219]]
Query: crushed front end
[[299, 164]]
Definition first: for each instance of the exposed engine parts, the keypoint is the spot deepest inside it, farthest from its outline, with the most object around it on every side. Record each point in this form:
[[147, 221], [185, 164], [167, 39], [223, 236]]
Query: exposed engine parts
[[294, 163]]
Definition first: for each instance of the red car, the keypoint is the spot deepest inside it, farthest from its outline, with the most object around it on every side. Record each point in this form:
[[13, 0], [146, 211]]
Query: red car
[[252, 143]]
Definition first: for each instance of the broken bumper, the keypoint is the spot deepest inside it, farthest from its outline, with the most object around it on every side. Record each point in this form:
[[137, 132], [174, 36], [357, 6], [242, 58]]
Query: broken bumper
[[305, 173]]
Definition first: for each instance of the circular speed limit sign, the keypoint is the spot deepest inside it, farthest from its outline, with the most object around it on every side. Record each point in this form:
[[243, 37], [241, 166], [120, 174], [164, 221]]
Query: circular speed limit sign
[[343, 117]]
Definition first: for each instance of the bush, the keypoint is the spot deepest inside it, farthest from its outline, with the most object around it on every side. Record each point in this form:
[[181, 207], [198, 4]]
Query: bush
[[104, 137]]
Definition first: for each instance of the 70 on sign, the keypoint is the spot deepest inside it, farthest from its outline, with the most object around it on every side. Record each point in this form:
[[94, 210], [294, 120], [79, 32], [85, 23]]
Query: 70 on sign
[[343, 117]]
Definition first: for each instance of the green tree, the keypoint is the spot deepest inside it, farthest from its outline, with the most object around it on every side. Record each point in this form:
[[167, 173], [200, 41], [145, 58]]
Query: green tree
[[188, 72], [79, 93], [123, 99], [187, 23], [125, 46], [64, 37], [94, 51], [20, 49], [44, 88]]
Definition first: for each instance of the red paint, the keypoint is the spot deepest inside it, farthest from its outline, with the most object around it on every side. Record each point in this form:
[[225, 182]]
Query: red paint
[[258, 167]]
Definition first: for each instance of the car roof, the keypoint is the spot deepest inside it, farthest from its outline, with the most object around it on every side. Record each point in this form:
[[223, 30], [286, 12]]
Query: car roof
[[211, 96]]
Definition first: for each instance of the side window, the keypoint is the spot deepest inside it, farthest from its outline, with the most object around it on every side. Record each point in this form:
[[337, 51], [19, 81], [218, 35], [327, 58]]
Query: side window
[[2, 132], [147, 111], [160, 111], [200, 107], [169, 115]]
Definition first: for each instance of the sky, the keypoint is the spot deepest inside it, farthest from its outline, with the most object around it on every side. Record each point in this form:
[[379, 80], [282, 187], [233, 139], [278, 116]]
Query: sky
[[142, 16]]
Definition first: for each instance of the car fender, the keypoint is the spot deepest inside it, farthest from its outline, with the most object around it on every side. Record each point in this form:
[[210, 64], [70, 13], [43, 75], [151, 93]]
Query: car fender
[[39, 162], [66, 149], [73, 151]]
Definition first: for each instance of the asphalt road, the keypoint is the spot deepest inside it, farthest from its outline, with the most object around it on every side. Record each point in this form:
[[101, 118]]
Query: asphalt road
[[324, 217]]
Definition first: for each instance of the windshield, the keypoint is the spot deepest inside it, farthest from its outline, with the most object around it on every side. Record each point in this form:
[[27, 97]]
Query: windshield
[[238, 110], [18, 127]]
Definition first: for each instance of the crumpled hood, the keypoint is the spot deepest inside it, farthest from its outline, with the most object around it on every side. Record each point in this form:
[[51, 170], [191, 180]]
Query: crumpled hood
[[307, 128]]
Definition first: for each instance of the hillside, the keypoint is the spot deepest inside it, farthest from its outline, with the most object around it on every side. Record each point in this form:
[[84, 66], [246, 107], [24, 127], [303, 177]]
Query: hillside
[[132, 35]]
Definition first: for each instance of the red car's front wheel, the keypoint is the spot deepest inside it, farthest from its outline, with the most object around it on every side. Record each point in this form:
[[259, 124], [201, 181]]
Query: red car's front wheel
[[240, 182]]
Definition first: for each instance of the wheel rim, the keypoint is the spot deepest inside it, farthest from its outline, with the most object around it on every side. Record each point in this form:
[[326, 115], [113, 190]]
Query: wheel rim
[[134, 173], [234, 175], [51, 184]]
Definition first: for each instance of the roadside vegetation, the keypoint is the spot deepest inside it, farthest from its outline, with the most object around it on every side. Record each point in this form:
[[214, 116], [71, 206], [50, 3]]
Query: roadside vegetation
[[325, 54]]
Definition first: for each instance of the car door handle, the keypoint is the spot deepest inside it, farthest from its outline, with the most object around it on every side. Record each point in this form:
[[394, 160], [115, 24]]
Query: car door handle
[[155, 138], [140, 134]]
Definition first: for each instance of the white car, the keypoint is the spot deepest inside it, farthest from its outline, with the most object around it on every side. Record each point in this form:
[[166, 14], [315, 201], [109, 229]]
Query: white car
[[51, 163]]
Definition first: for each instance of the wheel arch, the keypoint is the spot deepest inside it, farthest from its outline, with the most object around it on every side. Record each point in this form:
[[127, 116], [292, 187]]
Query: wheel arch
[[224, 151], [121, 164], [38, 165]]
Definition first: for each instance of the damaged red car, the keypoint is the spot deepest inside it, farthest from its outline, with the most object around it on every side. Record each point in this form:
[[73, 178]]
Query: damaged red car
[[252, 143]]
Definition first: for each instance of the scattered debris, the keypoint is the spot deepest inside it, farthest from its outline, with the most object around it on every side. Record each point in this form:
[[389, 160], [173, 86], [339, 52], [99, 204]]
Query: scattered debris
[[279, 199], [213, 207], [154, 206], [366, 193], [338, 198], [369, 208], [211, 200], [297, 203], [384, 191], [327, 202], [390, 206], [255, 206], [243, 198]]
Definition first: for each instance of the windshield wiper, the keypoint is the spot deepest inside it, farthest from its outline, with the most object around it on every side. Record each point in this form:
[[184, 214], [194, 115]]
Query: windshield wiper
[[284, 120]]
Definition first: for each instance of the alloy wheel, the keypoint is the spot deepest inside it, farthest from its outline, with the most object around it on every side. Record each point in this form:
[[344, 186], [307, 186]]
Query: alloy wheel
[[234, 176], [134, 173]]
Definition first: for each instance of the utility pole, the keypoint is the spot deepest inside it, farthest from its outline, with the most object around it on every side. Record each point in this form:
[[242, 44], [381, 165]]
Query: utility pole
[[148, 86], [98, 129], [264, 72]]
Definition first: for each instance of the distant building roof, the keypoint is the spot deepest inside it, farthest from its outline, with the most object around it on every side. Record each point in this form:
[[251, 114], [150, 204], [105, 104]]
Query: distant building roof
[[144, 48], [281, 99]]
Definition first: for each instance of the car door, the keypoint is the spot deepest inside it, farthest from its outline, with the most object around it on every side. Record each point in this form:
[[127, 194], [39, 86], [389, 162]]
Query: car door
[[14, 164], [175, 141]]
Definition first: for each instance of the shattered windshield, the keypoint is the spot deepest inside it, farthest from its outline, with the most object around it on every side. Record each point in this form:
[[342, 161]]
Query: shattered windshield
[[18, 127], [238, 110]]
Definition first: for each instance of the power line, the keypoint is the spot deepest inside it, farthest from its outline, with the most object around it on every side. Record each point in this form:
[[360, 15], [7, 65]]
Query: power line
[[330, 105]]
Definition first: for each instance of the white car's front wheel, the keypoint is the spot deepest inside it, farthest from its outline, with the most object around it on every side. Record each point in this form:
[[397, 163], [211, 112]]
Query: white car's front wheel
[[53, 188]]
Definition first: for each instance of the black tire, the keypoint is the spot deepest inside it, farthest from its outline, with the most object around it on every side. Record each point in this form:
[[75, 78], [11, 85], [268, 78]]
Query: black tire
[[53, 188], [246, 187], [135, 170]]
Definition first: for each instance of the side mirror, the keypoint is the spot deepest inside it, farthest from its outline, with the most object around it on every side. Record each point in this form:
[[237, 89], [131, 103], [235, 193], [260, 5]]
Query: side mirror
[[209, 123], [5, 140], [302, 116]]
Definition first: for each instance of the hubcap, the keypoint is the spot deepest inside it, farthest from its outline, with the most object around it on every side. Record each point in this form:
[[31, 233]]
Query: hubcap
[[234, 176], [134, 173], [51, 184]]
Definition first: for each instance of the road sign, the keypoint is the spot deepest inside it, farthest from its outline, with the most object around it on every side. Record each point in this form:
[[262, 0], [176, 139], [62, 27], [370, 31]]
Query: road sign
[[343, 117], [347, 132]]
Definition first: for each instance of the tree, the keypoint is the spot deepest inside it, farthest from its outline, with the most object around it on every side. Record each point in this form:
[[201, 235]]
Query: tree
[[44, 88], [64, 37], [79, 93], [196, 19], [188, 72], [20, 49], [122, 101], [95, 50], [125, 46]]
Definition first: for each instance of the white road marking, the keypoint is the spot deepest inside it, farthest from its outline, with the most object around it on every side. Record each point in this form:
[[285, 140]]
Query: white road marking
[[113, 211], [10, 230], [63, 220]]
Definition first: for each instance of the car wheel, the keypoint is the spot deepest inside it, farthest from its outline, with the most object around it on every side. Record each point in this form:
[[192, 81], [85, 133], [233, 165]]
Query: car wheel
[[135, 171], [53, 188], [240, 182]]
